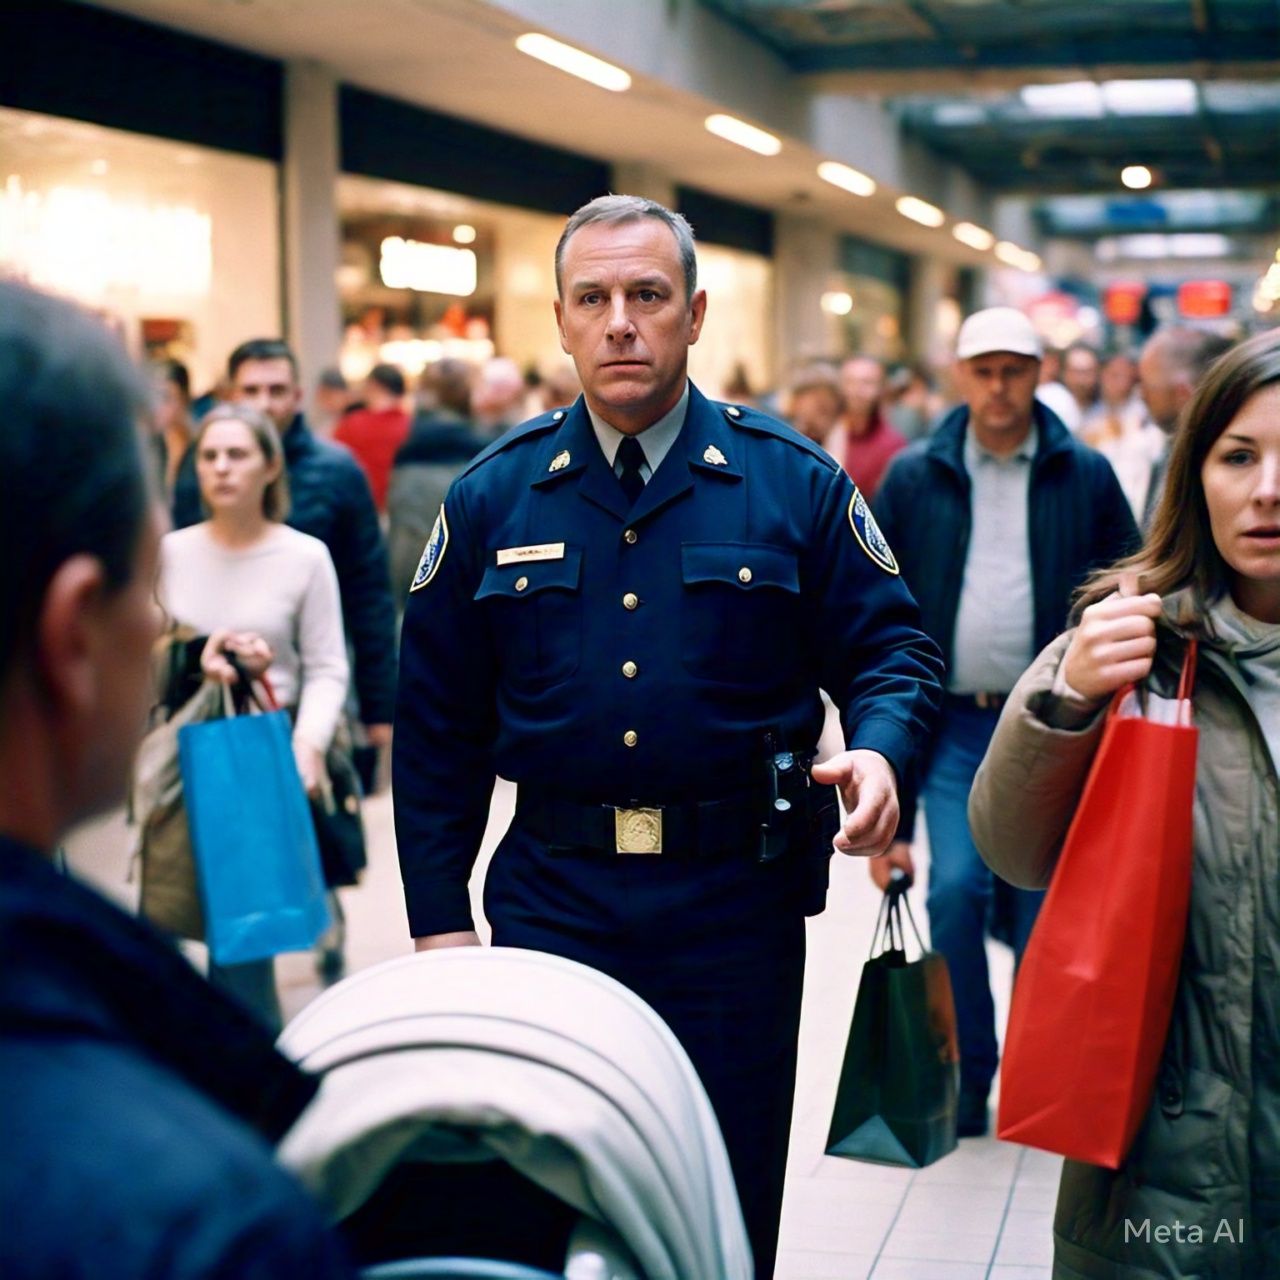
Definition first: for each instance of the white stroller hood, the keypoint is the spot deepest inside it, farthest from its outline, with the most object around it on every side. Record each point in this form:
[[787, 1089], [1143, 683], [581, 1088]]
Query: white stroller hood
[[568, 1076]]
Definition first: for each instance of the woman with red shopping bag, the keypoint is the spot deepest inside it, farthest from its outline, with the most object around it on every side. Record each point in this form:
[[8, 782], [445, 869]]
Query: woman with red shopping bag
[[1144, 1038]]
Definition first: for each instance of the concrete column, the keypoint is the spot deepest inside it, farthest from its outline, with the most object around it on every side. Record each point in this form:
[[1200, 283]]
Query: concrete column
[[806, 261], [931, 326], [309, 214], [644, 180]]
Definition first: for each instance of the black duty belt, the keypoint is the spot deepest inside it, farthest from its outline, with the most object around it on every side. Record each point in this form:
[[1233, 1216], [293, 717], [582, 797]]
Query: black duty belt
[[702, 829]]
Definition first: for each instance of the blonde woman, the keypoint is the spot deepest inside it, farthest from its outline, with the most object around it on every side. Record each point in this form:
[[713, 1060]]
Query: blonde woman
[[265, 593]]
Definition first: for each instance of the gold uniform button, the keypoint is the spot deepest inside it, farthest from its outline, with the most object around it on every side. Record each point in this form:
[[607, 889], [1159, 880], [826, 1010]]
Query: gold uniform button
[[631, 737], [744, 574], [629, 537], [629, 669], [521, 583], [630, 600]]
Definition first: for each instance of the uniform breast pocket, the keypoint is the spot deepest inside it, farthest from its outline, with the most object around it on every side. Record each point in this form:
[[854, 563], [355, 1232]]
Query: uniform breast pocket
[[740, 612], [536, 613]]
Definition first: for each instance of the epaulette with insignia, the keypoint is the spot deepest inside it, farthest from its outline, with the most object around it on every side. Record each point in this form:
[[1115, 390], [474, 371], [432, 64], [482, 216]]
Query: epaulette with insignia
[[530, 430], [763, 424]]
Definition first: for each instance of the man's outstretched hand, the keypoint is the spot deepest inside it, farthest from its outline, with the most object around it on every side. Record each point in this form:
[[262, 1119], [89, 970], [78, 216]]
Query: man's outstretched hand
[[869, 789]]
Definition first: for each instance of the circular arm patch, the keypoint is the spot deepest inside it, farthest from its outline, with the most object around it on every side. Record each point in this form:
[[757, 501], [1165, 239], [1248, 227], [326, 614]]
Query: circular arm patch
[[432, 553], [870, 539]]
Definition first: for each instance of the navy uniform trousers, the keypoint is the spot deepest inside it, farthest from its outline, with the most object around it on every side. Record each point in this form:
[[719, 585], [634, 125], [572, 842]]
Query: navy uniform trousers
[[710, 945]]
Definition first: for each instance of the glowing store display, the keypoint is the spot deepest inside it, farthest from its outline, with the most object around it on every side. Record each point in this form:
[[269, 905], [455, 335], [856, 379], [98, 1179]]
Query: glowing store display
[[427, 268], [95, 246]]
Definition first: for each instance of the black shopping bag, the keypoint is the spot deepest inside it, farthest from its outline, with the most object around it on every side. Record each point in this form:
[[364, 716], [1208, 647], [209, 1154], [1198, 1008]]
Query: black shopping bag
[[896, 1101]]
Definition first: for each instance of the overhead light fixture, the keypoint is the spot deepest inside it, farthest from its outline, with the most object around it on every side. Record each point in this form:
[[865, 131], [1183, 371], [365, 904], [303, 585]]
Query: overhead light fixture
[[921, 211], [1015, 256], [1150, 97], [837, 302], [1137, 177], [847, 179], [731, 129], [464, 233], [564, 57], [1075, 100], [974, 236]]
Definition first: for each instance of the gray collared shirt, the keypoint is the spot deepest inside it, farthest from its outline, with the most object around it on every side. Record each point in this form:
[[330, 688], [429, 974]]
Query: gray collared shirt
[[655, 441], [995, 623]]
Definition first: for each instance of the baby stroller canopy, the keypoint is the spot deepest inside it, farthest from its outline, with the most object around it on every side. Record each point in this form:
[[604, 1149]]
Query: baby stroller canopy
[[571, 1079]]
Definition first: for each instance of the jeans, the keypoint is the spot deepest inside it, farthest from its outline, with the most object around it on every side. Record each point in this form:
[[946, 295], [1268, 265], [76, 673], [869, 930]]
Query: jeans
[[961, 888]]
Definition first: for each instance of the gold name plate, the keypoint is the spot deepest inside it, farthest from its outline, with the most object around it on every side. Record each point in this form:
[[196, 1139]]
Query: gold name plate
[[637, 830]]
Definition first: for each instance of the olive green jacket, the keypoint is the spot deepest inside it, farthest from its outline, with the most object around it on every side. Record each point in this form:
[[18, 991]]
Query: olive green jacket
[[1193, 1169]]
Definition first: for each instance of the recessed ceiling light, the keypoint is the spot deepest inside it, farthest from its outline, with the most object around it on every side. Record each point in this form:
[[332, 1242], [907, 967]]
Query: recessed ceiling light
[[974, 236], [846, 178], [921, 211], [731, 129], [837, 302], [1137, 177], [564, 57], [1015, 256], [464, 233]]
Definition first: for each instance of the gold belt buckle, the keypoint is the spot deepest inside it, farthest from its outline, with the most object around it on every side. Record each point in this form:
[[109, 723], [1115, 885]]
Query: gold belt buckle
[[637, 830]]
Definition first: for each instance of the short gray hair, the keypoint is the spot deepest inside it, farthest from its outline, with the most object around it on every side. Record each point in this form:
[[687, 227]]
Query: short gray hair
[[613, 209]]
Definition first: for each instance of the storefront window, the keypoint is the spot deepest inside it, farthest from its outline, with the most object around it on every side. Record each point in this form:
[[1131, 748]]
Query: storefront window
[[176, 246], [734, 357], [427, 274]]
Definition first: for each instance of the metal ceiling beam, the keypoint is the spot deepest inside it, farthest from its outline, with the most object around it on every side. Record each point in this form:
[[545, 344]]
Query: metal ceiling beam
[[1256, 47]]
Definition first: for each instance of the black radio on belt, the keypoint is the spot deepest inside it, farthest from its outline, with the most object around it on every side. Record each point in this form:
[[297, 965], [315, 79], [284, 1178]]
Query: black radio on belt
[[786, 799]]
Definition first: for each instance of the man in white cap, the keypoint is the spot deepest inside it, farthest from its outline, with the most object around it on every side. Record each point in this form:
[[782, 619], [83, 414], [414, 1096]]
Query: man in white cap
[[996, 519]]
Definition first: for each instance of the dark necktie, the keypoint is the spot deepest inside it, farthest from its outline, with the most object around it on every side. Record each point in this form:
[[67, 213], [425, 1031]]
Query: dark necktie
[[630, 455]]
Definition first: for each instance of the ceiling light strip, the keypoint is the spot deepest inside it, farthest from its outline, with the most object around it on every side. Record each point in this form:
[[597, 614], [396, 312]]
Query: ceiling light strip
[[564, 57]]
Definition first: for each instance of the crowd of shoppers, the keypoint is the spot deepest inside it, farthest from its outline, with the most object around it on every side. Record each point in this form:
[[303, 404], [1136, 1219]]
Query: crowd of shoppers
[[293, 555]]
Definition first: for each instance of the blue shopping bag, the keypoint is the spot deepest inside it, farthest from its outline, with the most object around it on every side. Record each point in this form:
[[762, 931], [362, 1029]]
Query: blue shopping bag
[[257, 862]]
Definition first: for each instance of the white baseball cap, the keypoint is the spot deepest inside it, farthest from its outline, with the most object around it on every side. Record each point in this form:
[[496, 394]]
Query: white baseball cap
[[997, 329]]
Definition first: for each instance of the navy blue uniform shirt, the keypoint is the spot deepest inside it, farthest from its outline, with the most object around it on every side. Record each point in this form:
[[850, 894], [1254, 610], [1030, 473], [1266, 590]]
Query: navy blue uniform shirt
[[557, 639]]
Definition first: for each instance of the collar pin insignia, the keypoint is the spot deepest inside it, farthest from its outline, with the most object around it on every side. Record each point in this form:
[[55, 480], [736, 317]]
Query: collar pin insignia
[[560, 461], [715, 457]]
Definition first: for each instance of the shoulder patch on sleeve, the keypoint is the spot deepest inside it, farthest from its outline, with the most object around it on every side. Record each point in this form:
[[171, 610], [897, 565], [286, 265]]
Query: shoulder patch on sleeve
[[433, 552], [870, 539]]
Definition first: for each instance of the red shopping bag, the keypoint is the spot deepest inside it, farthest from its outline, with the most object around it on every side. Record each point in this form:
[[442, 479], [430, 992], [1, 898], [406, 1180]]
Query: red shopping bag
[[1095, 989]]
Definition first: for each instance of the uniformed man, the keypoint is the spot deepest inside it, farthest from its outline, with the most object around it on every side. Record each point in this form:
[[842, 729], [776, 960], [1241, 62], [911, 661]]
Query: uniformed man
[[628, 609]]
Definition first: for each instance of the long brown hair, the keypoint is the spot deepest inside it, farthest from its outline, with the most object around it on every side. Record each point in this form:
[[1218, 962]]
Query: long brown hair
[[1179, 550]]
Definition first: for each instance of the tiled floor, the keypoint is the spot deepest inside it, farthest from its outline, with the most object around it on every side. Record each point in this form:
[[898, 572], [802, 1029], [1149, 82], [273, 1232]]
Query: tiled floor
[[982, 1213]]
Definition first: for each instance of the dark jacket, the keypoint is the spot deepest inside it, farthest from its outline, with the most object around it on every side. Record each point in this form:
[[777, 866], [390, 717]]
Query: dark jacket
[[1078, 520], [439, 446], [138, 1104], [329, 498]]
